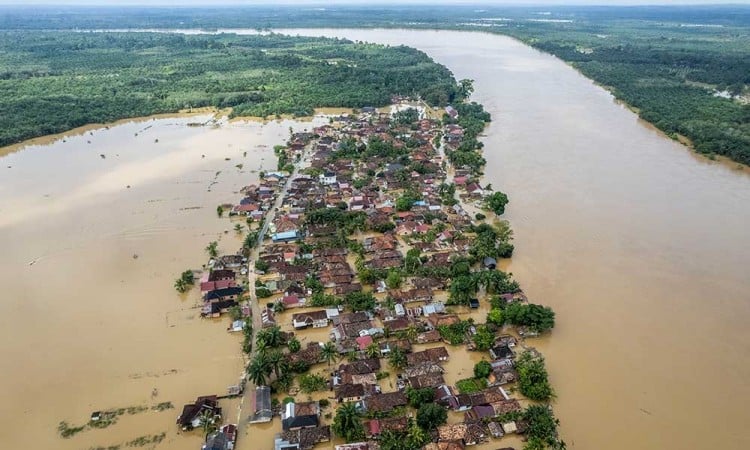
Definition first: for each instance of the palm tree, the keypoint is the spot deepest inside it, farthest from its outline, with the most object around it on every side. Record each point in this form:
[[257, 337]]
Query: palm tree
[[238, 228], [212, 249], [416, 436], [411, 334], [180, 285], [270, 337], [277, 362], [209, 421], [346, 424], [373, 351], [329, 353], [258, 370], [397, 358]]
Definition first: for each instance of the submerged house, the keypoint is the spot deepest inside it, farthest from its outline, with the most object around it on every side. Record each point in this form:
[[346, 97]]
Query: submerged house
[[314, 319], [296, 416], [190, 416], [263, 412]]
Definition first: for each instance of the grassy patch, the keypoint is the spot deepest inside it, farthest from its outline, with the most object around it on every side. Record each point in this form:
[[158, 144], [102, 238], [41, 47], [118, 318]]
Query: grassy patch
[[469, 385]]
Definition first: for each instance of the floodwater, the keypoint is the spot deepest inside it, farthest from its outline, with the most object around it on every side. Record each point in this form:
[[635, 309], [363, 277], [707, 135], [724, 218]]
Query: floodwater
[[640, 246], [89, 316]]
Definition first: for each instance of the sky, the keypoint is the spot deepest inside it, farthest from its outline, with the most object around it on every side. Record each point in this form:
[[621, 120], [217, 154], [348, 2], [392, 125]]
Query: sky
[[362, 2]]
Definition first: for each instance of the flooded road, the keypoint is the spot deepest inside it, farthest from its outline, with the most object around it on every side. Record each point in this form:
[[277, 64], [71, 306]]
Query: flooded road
[[641, 247], [89, 316]]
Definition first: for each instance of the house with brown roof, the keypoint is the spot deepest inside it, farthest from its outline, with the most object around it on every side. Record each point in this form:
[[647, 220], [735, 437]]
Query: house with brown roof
[[438, 320], [190, 416], [314, 319], [432, 380], [349, 392], [471, 433], [296, 416], [433, 355], [304, 439], [310, 354], [361, 366], [428, 337], [384, 402], [445, 445], [375, 427]]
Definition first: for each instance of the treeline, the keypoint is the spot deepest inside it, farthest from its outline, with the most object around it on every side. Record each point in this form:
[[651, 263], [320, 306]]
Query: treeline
[[672, 79], [54, 81]]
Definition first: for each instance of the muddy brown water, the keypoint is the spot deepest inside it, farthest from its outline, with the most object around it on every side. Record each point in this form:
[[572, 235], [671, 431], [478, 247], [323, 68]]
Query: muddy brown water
[[89, 316], [640, 246]]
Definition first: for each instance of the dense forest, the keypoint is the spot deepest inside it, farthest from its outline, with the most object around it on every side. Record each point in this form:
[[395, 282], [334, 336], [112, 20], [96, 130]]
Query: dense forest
[[686, 69], [54, 81]]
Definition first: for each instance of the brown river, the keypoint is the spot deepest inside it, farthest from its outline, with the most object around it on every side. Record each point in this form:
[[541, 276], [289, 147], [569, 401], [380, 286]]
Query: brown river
[[641, 247]]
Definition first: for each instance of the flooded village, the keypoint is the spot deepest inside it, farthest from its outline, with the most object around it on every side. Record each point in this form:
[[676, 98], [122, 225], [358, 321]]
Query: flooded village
[[370, 296]]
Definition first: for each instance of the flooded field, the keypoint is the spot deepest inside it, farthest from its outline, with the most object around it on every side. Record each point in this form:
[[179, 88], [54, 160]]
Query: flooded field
[[94, 230]]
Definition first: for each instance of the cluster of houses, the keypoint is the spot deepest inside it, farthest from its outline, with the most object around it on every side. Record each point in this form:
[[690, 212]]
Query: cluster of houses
[[306, 255]]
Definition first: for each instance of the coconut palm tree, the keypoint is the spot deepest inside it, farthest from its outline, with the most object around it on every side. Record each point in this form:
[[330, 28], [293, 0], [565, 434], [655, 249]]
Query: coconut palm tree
[[238, 228], [258, 370], [209, 421], [373, 351], [277, 362], [346, 424], [180, 286], [212, 249], [329, 353], [416, 437], [397, 358], [270, 337]]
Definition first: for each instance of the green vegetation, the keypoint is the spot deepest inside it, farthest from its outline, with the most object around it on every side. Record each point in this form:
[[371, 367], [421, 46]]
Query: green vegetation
[[143, 441], [484, 338], [419, 396], [469, 385], [55, 81], [455, 334], [532, 377], [360, 301], [431, 416], [496, 202], [346, 423], [541, 428], [185, 282], [536, 317], [482, 369], [397, 358], [212, 249], [310, 383], [414, 438]]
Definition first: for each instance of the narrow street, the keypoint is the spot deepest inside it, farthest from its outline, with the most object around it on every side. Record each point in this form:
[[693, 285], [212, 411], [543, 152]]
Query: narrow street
[[247, 403]]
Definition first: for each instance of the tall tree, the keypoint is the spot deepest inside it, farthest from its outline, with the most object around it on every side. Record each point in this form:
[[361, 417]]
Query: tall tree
[[347, 424], [329, 353]]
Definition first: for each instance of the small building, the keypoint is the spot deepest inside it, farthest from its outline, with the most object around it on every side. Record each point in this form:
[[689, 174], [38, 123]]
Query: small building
[[286, 236], [314, 319], [190, 417], [263, 411], [490, 263], [350, 392], [297, 416], [328, 178]]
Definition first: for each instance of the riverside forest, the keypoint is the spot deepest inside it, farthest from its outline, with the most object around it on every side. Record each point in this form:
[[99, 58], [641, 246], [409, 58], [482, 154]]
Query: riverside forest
[[683, 69], [51, 82]]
